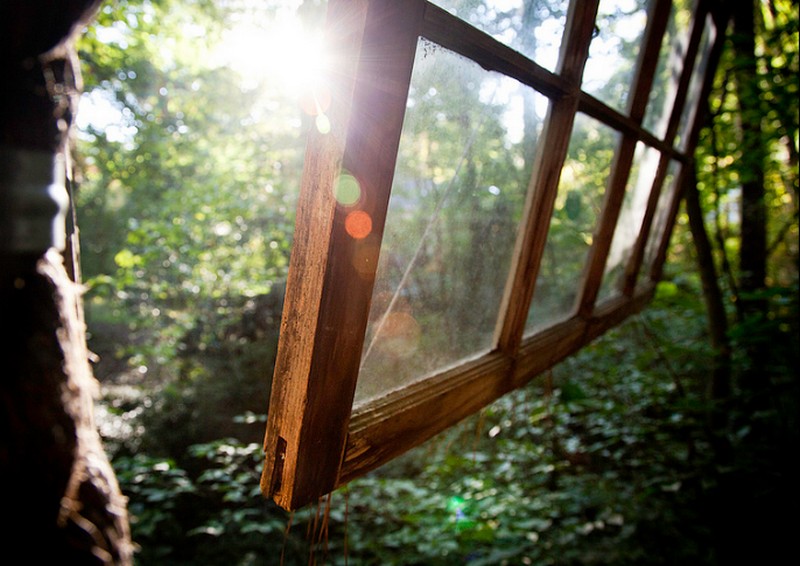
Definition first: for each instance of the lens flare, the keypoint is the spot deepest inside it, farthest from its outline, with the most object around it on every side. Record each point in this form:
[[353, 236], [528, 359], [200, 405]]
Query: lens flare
[[458, 508], [323, 124], [358, 224], [347, 191], [316, 102], [399, 335]]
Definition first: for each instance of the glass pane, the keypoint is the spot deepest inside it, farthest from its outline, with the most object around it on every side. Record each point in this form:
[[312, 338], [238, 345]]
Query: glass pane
[[669, 67], [696, 83], [629, 223], [580, 196], [456, 202], [659, 225], [614, 50], [532, 27]]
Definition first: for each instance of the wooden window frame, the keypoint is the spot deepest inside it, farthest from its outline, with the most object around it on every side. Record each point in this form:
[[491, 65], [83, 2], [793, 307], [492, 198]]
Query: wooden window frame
[[315, 441]]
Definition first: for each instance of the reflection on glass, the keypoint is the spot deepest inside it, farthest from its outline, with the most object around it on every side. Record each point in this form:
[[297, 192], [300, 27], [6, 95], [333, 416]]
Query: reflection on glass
[[532, 27], [612, 55], [669, 67], [629, 223], [577, 207], [458, 193], [659, 226], [696, 83]]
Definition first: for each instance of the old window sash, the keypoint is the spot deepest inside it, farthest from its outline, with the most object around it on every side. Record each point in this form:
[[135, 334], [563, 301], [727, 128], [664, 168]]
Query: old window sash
[[316, 440]]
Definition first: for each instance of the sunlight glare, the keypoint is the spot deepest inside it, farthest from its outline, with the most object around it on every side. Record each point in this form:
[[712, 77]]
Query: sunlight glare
[[281, 54]]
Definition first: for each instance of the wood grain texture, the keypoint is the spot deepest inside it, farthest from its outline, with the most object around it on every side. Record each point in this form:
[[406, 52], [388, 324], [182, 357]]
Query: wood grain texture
[[391, 425], [308, 262], [457, 35], [313, 442], [403, 419], [600, 111], [331, 270]]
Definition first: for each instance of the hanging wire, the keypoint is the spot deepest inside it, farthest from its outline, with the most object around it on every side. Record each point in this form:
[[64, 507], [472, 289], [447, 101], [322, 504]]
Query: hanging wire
[[346, 520], [286, 536]]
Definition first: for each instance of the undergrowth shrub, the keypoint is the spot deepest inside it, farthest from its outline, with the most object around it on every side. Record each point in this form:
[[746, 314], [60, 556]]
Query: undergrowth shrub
[[606, 459]]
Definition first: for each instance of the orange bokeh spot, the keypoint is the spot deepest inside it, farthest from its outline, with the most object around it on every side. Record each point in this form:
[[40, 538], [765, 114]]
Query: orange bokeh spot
[[316, 101], [358, 224], [399, 335]]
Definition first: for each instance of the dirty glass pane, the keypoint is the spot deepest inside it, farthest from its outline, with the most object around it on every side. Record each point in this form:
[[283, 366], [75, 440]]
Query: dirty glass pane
[[669, 67], [457, 198], [577, 208], [532, 27], [629, 223], [614, 50], [659, 226], [696, 83]]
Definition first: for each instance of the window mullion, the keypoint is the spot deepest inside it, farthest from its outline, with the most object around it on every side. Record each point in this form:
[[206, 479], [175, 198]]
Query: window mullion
[[637, 253], [604, 233], [545, 179], [689, 61], [455, 34], [657, 19], [721, 14], [332, 270], [618, 180]]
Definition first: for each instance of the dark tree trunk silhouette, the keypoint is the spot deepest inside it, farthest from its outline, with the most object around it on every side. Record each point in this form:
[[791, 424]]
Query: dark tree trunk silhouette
[[751, 302], [60, 497], [720, 383]]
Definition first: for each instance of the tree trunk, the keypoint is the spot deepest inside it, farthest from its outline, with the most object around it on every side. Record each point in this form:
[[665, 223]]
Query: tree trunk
[[753, 247], [720, 384], [60, 496], [752, 303]]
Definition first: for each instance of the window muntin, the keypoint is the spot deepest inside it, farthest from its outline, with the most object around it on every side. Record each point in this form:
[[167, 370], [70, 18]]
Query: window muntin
[[316, 439], [532, 27], [457, 198], [629, 223], [574, 221], [610, 68], [668, 70], [661, 220], [696, 83]]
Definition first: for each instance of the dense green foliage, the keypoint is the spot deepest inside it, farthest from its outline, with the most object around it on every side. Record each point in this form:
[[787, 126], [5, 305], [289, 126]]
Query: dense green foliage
[[608, 460], [189, 169]]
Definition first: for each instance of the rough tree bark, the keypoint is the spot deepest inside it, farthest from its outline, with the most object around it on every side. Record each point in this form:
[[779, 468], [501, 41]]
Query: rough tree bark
[[60, 497]]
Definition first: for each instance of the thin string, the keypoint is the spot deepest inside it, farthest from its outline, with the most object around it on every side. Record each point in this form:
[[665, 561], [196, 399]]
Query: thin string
[[426, 232], [311, 534], [286, 536], [323, 531], [346, 519]]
